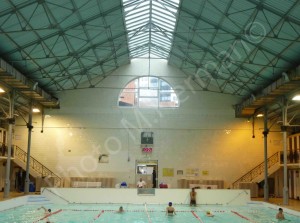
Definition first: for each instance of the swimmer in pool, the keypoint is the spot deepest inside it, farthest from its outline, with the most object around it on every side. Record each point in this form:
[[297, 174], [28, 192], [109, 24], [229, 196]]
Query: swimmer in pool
[[280, 215], [121, 210], [170, 210], [209, 214], [47, 213]]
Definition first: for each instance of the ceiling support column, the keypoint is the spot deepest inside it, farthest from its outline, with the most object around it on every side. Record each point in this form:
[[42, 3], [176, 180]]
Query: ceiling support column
[[30, 127], [284, 140], [11, 122], [265, 133]]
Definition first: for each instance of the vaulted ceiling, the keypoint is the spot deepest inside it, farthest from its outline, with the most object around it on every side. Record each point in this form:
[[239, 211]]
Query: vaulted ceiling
[[237, 47]]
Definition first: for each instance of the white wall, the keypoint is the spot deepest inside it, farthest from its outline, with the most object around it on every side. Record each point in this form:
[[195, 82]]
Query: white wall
[[177, 196], [202, 133]]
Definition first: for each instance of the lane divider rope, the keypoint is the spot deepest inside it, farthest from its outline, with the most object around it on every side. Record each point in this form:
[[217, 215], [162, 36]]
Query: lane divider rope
[[98, 216], [48, 215], [196, 216], [242, 216], [149, 219]]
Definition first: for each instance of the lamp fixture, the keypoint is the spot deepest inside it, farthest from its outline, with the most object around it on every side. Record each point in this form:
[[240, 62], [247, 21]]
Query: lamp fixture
[[2, 90], [259, 115], [36, 110], [296, 97]]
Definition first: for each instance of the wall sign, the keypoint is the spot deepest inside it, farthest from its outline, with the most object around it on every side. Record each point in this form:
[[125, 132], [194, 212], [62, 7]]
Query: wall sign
[[147, 149], [146, 137]]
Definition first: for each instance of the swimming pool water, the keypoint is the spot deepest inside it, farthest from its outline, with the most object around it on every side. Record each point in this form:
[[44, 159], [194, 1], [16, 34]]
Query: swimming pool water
[[147, 213]]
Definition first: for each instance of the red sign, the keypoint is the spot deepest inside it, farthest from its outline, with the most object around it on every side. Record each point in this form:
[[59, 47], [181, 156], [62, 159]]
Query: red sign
[[147, 150]]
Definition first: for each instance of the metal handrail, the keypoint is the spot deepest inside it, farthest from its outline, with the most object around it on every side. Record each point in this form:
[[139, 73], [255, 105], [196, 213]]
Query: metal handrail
[[258, 170], [37, 166]]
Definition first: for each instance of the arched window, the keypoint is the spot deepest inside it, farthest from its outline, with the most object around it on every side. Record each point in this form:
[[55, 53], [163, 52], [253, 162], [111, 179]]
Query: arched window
[[148, 92]]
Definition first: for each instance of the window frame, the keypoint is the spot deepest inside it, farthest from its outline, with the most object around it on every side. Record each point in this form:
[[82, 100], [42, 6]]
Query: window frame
[[160, 88]]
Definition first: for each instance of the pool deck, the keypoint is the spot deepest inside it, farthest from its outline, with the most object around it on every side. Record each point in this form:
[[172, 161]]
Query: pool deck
[[293, 204]]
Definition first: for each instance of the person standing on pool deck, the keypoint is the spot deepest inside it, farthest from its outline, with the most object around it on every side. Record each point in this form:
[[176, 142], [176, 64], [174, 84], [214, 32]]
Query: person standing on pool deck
[[280, 214], [170, 210], [154, 179], [193, 195]]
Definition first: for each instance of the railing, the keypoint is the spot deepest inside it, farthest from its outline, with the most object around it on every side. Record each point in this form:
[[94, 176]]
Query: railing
[[258, 170], [37, 166], [4, 151], [292, 157]]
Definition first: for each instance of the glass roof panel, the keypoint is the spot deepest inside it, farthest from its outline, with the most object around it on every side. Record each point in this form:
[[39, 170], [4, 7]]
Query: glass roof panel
[[158, 24]]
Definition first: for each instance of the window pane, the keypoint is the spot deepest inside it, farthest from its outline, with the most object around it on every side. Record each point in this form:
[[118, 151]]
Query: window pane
[[165, 96], [164, 85], [168, 99], [144, 82], [148, 93], [148, 102], [153, 82], [127, 99]]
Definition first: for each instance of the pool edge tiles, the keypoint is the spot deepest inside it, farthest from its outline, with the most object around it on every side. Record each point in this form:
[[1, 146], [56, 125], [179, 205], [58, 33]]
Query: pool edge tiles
[[24, 200], [33, 199]]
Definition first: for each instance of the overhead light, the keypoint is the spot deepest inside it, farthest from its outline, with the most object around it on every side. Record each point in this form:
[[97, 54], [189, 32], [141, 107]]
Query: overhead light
[[296, 98], [35, 110], [1, 90], [227, 131], [259, 115]]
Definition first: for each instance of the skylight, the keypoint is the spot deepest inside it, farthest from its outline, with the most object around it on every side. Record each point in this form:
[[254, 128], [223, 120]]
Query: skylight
[[150, 25]]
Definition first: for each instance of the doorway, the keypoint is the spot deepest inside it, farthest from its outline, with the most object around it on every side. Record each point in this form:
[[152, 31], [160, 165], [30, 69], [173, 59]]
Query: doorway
[[148, 171]]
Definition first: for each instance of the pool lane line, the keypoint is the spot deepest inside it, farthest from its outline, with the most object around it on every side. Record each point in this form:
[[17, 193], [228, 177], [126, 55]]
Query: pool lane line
[[242, 216], [196, 216], [149, 211], [48, 215], [8, 209], [98, 216], [149, 219], [82, 210]]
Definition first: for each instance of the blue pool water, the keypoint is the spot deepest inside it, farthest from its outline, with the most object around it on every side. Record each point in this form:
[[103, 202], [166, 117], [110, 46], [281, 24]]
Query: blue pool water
[[146, 213]]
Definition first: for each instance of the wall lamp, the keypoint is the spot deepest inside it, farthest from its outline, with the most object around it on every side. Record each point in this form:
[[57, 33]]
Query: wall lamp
[[36, 110], [259, 115], [2, 90], [296, 97]]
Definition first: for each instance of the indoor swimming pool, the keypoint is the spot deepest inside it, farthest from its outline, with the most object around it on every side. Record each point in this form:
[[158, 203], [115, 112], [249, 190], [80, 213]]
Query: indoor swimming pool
[[143, 213]]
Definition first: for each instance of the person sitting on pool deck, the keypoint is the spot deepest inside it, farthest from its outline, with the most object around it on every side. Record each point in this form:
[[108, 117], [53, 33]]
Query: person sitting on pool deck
[[170, 210], [280, 214], [141, 183]]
